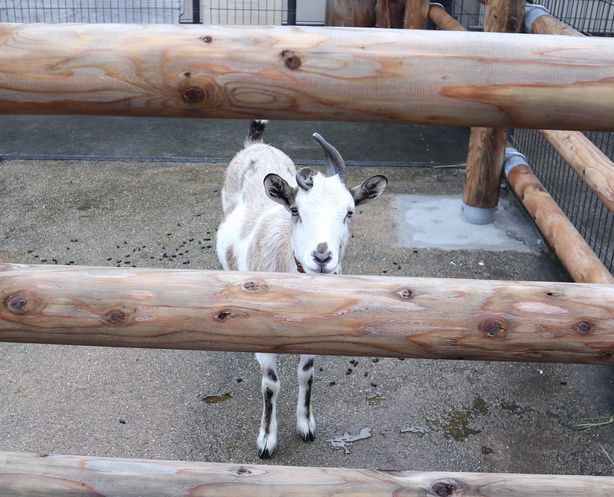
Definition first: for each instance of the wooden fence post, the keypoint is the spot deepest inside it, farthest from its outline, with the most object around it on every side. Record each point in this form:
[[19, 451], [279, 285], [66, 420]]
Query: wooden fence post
[[416, 14], [487, 145], [350, 13]]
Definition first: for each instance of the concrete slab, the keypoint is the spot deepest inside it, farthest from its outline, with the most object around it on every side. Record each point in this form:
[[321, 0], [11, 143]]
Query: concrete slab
[[436, 221]]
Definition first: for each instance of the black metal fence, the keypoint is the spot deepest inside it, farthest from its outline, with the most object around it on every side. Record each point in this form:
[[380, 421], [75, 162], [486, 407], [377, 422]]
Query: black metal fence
[[241, 12], [100, 11], [249, 12]]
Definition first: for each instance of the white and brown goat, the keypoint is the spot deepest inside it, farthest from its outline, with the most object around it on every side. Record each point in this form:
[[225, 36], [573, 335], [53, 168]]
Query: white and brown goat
[[304, 229]]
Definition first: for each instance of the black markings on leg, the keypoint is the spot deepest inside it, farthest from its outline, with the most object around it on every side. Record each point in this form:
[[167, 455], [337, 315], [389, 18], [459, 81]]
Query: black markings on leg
[[308, 365], [268, 409], [309, 436], [308, 396], [271, 374]]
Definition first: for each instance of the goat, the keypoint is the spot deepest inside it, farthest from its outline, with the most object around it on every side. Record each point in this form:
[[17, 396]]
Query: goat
[[304, 229]]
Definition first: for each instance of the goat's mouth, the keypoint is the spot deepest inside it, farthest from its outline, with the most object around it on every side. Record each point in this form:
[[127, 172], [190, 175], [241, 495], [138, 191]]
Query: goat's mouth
[[318, 270]]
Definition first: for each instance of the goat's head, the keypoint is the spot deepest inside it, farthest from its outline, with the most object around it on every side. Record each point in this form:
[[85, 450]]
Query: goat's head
[[322, 207]]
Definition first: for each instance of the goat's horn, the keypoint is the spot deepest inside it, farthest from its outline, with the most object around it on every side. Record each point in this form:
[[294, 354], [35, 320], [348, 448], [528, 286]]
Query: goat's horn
[[334, 162]]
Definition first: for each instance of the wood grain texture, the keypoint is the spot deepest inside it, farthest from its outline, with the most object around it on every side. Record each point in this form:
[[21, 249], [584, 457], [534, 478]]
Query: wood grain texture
[[389, 13], [504, 16], [487, 145], [416, 14], [312, 73], [568, 244], [35, 475], [350, 13], [443, 20], [484, 165], [551, 25], [587, 160], [283, 313]]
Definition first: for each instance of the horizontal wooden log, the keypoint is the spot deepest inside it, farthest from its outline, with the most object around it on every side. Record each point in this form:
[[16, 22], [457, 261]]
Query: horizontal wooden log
[[568, 244], [587, 160], [41, 475], [314, 314], [313, 73]]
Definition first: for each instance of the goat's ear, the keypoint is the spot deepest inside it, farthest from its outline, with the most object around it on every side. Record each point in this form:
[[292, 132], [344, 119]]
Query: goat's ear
[[304, 178], [369, 190], [279, 190]]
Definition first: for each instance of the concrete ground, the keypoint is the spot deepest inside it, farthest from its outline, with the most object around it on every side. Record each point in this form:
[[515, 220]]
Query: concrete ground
[[422, 414]]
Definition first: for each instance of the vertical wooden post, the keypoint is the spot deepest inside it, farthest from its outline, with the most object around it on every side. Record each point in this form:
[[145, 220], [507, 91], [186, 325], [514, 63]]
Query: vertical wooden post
[[350, 13], [416, 14], [389, 13], [487, 145]]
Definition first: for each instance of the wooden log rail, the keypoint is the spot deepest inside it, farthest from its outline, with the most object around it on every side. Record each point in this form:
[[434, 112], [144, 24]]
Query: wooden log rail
[[568, 244], [38, 475], [314, 314], [592, 166], [308, 73]]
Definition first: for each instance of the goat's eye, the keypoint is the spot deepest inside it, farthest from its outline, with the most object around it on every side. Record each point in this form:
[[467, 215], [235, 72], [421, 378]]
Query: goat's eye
[[348, 216], [294, 211]]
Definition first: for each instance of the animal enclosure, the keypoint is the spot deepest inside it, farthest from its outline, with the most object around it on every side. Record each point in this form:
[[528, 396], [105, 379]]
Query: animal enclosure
[[295, 72]]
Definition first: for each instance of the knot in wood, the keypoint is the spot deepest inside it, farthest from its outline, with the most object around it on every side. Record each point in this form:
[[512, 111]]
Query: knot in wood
[[115, 316], [253, 286], [193, 95], [291, 59], [223, 315], [443, 488], [583, 327], [17, 303], [493, 328], [242, 471], [206, 39], [406, 293]]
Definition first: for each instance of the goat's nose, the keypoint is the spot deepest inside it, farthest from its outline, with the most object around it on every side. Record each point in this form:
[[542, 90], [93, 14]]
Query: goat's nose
[[322, 255]]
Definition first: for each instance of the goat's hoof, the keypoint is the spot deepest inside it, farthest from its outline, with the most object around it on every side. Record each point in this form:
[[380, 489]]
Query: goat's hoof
[[310, 436], [306, 428], [265, 453]]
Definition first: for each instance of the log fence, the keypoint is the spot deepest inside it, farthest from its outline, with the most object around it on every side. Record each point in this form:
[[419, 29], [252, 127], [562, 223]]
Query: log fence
[[494, 80], [41, 475]]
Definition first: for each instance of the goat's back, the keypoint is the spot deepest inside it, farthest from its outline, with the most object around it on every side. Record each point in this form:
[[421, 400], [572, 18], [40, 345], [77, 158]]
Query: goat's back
[[245, 176]]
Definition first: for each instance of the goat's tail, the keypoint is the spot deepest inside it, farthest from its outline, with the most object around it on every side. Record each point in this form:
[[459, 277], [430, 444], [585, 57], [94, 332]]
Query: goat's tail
[[256, 130]]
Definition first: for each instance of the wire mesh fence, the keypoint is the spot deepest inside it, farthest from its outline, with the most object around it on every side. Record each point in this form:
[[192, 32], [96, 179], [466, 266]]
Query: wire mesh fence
[[249, 12], [97, 11]]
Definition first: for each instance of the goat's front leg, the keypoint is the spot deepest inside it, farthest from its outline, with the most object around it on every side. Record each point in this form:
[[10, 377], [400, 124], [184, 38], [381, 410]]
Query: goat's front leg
[[267, 437], [305, 422]]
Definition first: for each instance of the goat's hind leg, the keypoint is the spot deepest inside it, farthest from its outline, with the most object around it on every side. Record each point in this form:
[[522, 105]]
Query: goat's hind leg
[[267, 437], [305, 422]]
